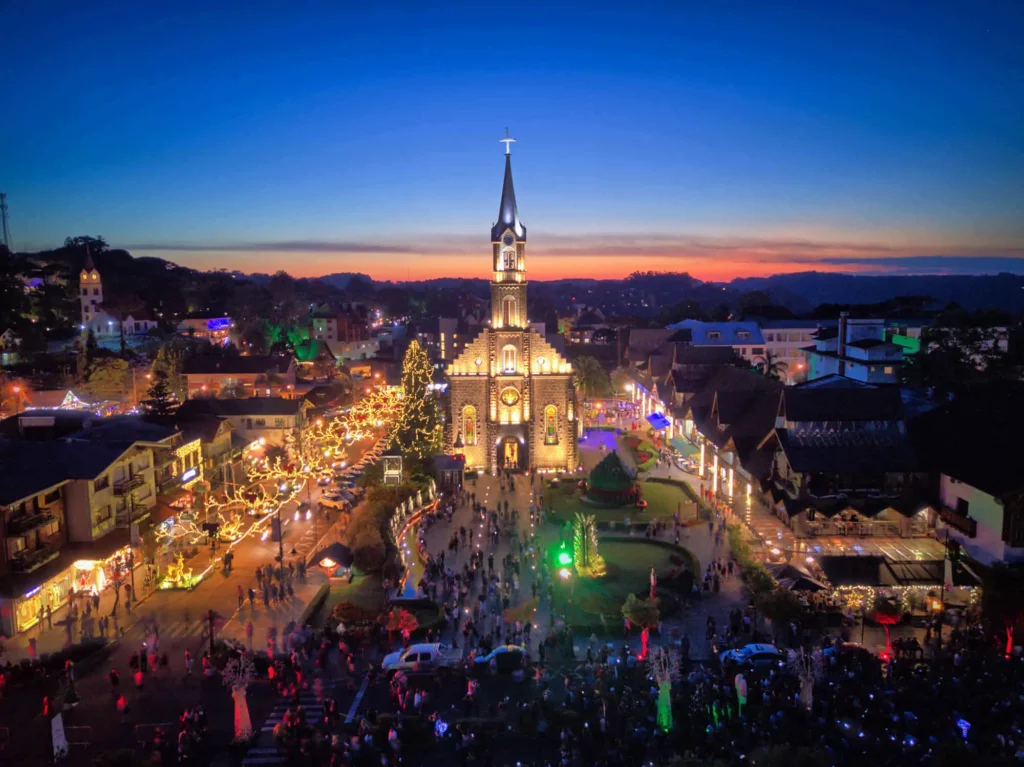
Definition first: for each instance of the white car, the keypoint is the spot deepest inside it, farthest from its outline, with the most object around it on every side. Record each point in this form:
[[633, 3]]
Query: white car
[[420, 658], [333, 501]]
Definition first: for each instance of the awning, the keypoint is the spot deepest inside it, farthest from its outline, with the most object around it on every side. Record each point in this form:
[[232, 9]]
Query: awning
[[658, 421], [683, 446]]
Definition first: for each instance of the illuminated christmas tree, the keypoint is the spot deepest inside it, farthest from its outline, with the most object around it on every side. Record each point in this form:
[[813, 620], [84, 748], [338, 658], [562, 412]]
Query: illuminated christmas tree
[[588, 562], [417, 430]]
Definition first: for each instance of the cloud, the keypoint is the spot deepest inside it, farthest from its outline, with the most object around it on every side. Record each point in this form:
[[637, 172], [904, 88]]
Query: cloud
[[608, 255]]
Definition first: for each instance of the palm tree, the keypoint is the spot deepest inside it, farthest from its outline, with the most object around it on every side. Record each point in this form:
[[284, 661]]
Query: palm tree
[[589, 377], [771, 366]]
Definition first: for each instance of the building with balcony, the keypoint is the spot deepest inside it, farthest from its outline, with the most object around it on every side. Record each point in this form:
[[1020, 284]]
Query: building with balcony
[[216, 330], [975, 478], [268, 420], [843, 465]]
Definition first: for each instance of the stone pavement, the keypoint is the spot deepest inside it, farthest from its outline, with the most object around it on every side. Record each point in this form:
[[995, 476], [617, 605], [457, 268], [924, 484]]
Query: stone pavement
[[697, 539]]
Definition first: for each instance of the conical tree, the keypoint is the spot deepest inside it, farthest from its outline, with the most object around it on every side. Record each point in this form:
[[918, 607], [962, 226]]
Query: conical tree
[[417, 431], [160, 401]]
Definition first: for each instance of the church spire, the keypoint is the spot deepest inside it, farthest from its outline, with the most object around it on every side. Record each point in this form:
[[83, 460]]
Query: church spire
[[508, 213]]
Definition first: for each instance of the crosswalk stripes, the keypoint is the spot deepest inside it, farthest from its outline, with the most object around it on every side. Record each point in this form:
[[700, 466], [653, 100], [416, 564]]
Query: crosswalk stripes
[[180, 630], [264, 750]]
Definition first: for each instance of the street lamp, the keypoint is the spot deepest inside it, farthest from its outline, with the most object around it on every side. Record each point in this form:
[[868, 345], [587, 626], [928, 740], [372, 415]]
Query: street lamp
[[17, 399]]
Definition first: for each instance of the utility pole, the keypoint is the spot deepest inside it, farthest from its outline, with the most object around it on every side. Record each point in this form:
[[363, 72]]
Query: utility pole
[[4, 224], [280, 536]]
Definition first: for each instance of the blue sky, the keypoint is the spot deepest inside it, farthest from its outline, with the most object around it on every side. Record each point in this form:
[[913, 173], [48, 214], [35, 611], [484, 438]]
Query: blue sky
[[725, 139]]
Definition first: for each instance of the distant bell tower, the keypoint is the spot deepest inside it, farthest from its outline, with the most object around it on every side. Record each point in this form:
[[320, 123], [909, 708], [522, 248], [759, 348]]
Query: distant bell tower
[[508, 241], [90, 294]]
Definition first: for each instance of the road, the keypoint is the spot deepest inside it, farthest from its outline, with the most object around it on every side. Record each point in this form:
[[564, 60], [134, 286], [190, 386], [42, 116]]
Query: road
[[177, 616]]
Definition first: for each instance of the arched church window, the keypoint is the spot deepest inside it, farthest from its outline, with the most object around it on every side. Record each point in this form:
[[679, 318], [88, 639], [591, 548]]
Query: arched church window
[[550, 425], [508, 311], [469, 425], [508, 359], [509, 258]]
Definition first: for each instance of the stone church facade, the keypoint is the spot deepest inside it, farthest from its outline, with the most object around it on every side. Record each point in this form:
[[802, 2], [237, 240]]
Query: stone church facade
[[511, 395]]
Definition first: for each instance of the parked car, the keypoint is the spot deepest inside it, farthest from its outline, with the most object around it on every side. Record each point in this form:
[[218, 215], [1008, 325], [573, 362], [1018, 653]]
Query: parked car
[[333, 501], [755, 656], [853, 651], [323, 481], [506, 658], [421, 658]]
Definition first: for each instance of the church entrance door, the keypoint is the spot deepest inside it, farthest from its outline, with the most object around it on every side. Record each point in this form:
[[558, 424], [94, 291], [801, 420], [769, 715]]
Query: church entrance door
[[510, 454]]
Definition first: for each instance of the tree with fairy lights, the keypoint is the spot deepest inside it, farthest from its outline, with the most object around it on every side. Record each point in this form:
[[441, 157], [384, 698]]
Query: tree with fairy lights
[[417, 431], [809, 668], [238, 674], [588, 561], [664, 666]]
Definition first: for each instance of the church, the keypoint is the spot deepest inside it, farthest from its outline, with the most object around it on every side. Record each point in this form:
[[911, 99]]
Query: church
[[511, 395]]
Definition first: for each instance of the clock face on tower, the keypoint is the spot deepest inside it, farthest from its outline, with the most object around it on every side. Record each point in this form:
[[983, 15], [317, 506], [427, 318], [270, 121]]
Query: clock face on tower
[[507, 239]]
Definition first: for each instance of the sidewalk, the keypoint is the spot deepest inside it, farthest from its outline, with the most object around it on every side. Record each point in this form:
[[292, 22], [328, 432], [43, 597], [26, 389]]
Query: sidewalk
[[44, 639]]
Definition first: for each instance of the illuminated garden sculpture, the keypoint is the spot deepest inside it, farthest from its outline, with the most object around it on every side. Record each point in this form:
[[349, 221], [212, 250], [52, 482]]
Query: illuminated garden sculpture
[[664, 666], [589, 562]]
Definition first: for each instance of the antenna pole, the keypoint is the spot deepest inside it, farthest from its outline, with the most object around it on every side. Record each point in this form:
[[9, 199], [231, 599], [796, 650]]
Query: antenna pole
[[5, 225]]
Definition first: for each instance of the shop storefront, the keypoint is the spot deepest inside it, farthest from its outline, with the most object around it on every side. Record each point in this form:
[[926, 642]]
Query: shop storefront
[[92, 575], [29, 609]]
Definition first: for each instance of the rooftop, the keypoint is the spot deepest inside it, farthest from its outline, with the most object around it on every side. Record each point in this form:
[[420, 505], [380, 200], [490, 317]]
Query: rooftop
[[247, 365], [721, 333], [275, 406]]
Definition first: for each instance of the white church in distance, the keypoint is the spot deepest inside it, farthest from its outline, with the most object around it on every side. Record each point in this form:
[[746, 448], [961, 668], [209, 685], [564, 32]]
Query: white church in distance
[[103, 322]]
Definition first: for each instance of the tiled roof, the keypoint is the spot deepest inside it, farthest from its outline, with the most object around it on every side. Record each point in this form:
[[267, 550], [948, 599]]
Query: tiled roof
[[240, 407], [864, 403], [247, 365], [972, 439]]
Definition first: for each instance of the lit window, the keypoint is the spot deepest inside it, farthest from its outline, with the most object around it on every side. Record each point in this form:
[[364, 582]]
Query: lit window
[[469, 425], [888, 371], [508, 359], [508, 311], [550, 425]]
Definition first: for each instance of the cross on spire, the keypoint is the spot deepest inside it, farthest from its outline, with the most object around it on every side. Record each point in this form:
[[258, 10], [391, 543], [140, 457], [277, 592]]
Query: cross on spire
[[508, 141]]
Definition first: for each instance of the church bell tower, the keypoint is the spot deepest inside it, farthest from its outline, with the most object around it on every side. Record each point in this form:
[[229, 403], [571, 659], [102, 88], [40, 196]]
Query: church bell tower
[[508, 242]]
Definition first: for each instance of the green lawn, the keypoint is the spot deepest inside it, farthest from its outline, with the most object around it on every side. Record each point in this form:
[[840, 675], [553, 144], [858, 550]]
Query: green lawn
[[662, 502], [628, 566], [365, 591]]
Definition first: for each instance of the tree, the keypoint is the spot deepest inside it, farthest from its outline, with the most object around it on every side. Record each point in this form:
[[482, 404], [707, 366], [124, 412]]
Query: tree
[[590, 378], [92, 244], [771, 366], [324, 368], [417, 431], [588, 561], [643, 613], [618, 380], [160, 401], [779, 605], [169, 362], [887, 613], [238, 674], [108, 379], [402, 622], [1002, 601]]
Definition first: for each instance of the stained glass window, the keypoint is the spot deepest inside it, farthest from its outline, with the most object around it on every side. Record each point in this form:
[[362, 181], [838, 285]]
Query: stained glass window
[[469, 425], [550, 425]]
